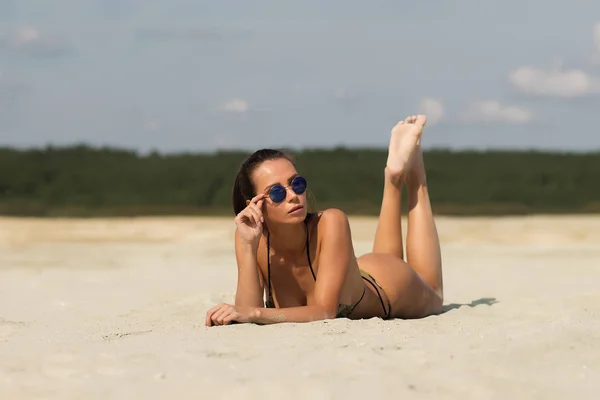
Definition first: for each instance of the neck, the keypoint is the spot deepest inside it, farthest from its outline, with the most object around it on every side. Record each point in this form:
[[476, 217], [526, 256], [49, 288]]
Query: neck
[[286, 238]]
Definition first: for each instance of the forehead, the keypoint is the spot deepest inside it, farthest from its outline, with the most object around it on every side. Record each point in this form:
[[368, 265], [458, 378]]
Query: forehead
[[273, 171]]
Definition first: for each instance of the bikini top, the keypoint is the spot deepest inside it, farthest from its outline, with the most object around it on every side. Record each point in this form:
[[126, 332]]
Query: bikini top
[[343, 310], [270, 303]]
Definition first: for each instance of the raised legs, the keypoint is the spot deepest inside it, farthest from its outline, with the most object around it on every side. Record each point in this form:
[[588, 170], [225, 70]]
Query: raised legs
[[405, 167]]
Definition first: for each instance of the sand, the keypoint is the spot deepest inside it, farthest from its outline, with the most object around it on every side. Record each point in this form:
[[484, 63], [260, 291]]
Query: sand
[[114, 308]]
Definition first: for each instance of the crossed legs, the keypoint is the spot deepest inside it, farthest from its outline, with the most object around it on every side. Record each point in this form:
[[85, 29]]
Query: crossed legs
[[405, 167]]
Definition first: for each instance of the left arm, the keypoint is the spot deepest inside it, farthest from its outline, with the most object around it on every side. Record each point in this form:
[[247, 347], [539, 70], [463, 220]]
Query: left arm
[[335, 257]]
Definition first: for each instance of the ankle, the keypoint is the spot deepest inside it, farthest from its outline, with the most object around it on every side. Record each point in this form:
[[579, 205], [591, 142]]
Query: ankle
[[416, 178], [396, 179]]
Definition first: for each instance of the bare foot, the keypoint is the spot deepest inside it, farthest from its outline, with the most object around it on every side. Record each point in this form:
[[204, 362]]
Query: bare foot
[[415, 175], [405, 142]]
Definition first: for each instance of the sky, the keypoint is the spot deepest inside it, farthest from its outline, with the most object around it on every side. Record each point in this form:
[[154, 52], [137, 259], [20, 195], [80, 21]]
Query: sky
[[195, 75]]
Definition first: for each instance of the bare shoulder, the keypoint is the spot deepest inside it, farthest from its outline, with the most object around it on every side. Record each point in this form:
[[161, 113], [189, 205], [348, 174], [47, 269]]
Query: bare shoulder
[[332, 221]]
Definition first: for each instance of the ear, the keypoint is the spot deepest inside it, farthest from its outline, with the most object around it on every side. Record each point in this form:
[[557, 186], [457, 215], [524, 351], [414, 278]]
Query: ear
[[247, 202]]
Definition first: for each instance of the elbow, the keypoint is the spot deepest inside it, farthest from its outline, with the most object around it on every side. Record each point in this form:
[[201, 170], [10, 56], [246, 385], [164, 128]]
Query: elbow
[[327, 312]]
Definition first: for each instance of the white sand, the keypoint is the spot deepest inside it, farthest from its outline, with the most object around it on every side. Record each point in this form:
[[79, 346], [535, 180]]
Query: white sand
[[107, 309]]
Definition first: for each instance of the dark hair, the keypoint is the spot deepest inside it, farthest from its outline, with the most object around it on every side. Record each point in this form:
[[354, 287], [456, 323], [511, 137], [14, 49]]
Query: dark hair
[[243, 188]]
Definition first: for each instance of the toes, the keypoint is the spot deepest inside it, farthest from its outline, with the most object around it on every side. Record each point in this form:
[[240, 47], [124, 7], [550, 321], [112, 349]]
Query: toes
[[397, 126], [421, 120], [415, 119]]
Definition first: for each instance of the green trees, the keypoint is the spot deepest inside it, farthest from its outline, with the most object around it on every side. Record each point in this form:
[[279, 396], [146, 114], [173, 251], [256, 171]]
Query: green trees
[[85, 181]]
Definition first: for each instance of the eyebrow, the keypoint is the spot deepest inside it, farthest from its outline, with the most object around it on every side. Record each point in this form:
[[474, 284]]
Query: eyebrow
[[289, 181]]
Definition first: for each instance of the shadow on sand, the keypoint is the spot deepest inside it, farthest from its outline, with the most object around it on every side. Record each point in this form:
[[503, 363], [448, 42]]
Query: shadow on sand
[[488, 301]]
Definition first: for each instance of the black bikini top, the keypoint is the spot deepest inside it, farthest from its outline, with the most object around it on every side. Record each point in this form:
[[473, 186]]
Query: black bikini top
[[270, 303]]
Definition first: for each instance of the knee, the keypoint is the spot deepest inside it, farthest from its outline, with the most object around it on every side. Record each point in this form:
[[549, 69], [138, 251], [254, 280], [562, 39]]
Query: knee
[[438, 304]]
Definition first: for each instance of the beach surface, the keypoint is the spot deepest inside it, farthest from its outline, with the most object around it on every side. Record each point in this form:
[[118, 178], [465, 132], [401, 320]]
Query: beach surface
[[114, 309]]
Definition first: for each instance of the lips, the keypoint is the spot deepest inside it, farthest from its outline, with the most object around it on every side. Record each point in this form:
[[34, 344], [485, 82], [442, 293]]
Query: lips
[[296, 209]]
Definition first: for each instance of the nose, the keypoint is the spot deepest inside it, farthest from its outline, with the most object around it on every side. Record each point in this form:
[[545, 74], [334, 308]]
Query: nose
[[291, 192]]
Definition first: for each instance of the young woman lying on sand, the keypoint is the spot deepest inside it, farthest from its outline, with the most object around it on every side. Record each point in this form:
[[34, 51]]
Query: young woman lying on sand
[[305, 262]]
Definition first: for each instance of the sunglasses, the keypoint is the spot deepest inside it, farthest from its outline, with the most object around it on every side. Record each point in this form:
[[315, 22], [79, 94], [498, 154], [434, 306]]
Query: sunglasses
[[278, 193]]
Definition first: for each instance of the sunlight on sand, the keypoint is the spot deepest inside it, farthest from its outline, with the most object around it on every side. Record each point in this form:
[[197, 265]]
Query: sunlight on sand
[[106, 308]]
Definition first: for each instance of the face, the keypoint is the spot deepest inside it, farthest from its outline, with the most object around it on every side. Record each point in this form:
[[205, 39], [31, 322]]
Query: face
[[279, 177]]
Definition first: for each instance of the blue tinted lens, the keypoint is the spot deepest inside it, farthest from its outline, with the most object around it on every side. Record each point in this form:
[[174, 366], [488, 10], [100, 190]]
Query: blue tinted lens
[[277, 193], [299, 185]]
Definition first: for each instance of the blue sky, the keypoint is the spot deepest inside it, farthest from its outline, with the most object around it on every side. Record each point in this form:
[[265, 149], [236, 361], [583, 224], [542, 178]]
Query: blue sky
[[193, 75]]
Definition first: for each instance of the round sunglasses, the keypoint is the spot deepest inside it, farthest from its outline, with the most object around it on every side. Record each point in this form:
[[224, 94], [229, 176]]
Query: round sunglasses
[[278, 193]]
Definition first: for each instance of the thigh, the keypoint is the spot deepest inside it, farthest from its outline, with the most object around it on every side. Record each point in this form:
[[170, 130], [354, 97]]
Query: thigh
[[409, 294]]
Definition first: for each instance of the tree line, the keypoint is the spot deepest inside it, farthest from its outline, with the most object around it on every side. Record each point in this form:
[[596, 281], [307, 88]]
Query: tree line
[[84, 181]]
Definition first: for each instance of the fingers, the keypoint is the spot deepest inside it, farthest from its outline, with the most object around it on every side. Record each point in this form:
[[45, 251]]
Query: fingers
[[253, 215], [257, 205], [253, 210], [218, 316], [230, 318], [227, 316], [258, 197], [257, 211], [210, 313], [221, 314]]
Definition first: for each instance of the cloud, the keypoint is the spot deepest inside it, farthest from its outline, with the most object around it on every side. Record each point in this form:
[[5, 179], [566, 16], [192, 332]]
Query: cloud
[[235, 106], [29, 41], [557, 82], [433, 108], [346, 99], [343, 94], [152, 125], [491, 111]]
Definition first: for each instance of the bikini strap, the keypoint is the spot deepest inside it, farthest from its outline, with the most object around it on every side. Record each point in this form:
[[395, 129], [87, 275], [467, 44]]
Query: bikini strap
[[270, 303], [308, 250]]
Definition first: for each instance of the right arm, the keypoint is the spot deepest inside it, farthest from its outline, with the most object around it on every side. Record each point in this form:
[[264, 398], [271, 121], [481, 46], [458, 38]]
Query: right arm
[[250, 286]]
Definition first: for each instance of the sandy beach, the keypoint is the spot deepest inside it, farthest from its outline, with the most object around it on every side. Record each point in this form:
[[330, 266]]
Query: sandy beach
[[114, 309]]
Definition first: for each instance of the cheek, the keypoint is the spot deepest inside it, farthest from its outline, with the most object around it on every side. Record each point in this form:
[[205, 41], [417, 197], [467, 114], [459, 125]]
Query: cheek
[[272, 211]]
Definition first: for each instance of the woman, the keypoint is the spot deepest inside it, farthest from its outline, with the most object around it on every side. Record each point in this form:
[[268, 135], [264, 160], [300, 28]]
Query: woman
[[305, 263]]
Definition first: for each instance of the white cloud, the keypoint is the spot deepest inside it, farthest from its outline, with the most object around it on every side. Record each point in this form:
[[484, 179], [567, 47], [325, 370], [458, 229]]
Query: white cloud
[[152, 125], [433, 108], [28, 40], [556, 82], [25, 35], [236, 106], [491, 111], [343, 94]]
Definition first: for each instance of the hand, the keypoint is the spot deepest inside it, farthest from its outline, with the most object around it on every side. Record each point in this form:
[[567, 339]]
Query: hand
[[225, 314], [250, 220]]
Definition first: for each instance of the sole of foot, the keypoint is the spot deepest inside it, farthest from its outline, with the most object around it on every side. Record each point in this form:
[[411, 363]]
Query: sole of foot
[[405, 143]]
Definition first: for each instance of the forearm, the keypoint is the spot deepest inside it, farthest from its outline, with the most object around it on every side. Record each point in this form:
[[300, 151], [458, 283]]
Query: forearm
[[249, 292], [264, 316]]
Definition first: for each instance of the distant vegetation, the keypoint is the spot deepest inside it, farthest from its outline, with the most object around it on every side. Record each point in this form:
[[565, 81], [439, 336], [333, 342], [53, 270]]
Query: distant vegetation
[[85, 181]]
